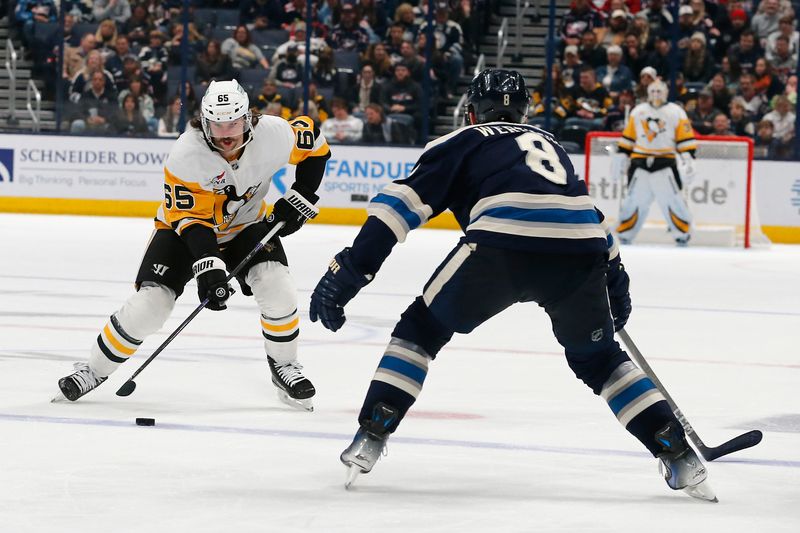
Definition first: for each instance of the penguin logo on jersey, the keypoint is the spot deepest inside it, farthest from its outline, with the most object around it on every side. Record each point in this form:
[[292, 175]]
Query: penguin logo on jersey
[[652, 127], [225, 210]]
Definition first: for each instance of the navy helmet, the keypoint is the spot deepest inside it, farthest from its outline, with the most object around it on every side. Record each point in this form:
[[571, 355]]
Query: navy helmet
[[497, 95]]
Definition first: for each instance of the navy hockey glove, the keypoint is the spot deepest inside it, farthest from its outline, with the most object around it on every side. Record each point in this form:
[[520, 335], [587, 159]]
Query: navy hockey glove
[[619, 296], [209, 271], [339, 285], [294, 209]]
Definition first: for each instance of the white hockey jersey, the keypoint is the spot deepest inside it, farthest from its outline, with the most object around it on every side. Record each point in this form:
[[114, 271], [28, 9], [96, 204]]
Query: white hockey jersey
[[657, 132], [201, 187]]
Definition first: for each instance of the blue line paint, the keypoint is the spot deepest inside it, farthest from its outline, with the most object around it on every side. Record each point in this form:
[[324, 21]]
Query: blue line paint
[[345, 438]]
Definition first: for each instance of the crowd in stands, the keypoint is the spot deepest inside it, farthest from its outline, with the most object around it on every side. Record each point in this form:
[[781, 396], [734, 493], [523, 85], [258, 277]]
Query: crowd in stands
[[122, 60], [733, 62]]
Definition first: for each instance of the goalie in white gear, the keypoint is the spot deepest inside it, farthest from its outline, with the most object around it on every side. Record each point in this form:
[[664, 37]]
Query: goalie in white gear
[[216, 177], [657, 135]]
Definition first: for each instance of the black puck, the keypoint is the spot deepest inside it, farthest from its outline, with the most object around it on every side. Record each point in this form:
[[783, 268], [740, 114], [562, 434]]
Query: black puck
[[145, 421]]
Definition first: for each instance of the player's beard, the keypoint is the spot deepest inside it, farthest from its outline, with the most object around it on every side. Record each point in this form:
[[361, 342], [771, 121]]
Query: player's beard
[[228, 146]]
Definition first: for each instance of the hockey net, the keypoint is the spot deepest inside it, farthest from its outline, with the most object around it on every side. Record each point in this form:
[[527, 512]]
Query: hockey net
[[721, 197]]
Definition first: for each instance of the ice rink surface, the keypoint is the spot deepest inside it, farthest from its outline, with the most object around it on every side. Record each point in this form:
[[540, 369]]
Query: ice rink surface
[[502, 439]]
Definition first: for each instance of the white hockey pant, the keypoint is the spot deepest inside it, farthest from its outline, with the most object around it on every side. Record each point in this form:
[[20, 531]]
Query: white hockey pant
[[276, 296], [141, 315], [642, 189]]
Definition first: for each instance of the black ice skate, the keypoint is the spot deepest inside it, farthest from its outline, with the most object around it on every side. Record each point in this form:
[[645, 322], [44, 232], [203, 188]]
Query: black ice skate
[[681, 467], [369, 443], [78, 383], [294, 389]]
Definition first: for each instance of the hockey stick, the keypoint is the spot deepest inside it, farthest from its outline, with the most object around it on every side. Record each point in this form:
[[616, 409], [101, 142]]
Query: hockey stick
[[746, 440], [129, 386]]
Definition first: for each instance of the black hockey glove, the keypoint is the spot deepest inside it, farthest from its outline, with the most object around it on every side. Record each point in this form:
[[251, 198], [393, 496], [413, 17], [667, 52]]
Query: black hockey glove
[[294, 209], [209, 271], [338, 286], [619, 296]]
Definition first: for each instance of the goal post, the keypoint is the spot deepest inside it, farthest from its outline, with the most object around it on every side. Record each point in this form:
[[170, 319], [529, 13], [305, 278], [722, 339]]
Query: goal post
[[721, 197]]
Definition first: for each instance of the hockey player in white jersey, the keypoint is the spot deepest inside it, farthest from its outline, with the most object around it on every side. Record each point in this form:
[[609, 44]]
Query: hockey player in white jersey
[[213, 214], [660, 143]]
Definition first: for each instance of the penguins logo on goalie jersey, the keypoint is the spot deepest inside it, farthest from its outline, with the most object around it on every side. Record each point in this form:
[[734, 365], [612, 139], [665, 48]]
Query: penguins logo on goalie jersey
[[201, 187], [657, 132]]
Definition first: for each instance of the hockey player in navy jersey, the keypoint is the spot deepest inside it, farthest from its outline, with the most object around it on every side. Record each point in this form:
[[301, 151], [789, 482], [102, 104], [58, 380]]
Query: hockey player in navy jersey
[[531, 234]]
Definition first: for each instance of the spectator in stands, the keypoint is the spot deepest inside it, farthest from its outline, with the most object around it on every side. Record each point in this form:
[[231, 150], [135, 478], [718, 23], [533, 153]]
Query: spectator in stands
[[792, 37], [448, 38], [591, 53], [731, 71], [75, 58], [319, 101], [629, 7], [118, 10], [791, 89], [288, 72], [324, 72], [577, 20], [721, 125], [571, 67], [782, 119], [404, 15], [698, 65], [298, 37], [29, 13], [561, 104], [647, 76], [633, 54], [270, 95], [342, 127], [660, 57], [367, 90], [154, 58], [591, 102], [144, 102], [617, 113], [720, 93], [686, 27], [469, 19], [242, 51], [754, 103], [766, 82], [131, 68], [139, 25], [741, 124], [380, 129], [730, 31], [168, 123], [95, 107], [615, 76], [702, 21], [275, 109], [767, 146], [783, 62], [703, 116], [401, 97], [659, 19], [106, 38], [191, 101], [197, 43], [128, 120], [71, 37], [250, 10], [641, 28], [376, 55], [115, 62], [618, 24], [212, 64], [294, 10], [746, 51], [766, 21], [81, 10], [394, 41], [82, 80], [415, 62], [347, 36], [372, 17]]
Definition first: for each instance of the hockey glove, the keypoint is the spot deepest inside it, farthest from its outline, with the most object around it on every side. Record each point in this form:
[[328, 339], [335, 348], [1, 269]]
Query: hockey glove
[[339, 285], [294, 209], [686, 168], [619, 296], [619, 166], [209, 271]]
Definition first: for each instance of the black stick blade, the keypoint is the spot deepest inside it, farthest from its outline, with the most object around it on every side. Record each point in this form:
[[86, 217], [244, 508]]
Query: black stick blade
[[746, 440], [127, 388]]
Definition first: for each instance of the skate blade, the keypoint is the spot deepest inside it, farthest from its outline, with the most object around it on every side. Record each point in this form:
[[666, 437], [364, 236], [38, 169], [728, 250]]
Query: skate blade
[[58, 398], [300, 405], [353, 471], [702, 491]]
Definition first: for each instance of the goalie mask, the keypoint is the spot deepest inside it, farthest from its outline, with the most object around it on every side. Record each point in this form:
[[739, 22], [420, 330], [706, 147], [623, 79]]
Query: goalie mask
[[497, 95], [657, 93], [226, 116]]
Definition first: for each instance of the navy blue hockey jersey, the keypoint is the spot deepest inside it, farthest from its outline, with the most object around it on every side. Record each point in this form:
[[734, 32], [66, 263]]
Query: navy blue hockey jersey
[[508, 185]]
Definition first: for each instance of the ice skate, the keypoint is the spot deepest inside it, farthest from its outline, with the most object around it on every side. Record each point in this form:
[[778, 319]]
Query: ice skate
[[681, 467], [78, 383], [369, 443], [294, 389]]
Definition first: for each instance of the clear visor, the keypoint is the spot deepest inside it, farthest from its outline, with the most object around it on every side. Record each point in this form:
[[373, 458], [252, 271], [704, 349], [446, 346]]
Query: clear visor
[[223, 130]]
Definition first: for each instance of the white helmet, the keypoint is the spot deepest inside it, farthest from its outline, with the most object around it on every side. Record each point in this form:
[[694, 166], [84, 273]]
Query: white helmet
[[657, 93], [225, 101]]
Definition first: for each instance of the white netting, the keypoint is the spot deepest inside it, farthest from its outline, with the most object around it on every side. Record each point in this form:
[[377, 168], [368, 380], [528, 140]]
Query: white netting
[[718, 197]]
